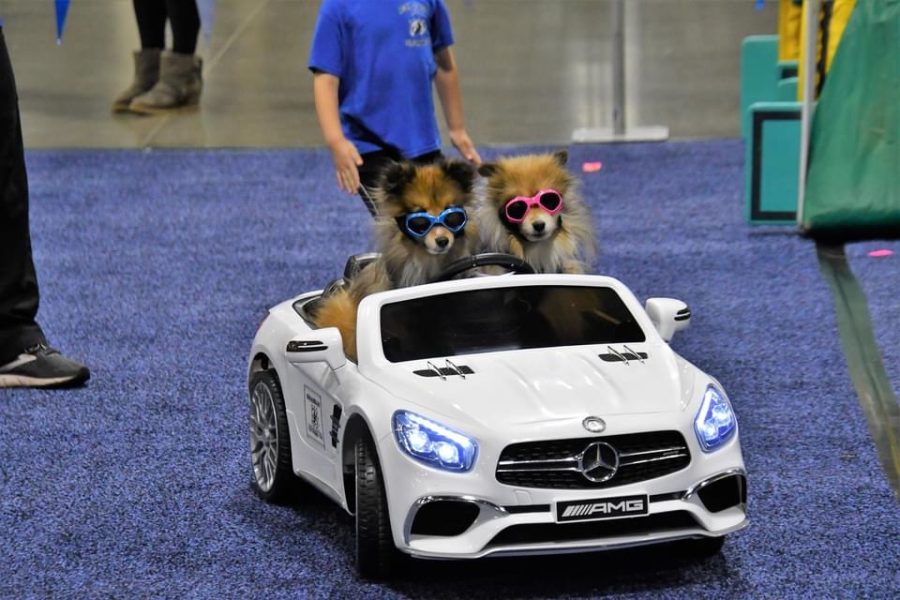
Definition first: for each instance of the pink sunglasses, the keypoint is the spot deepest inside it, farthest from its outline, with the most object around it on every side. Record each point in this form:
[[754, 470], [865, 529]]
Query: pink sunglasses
[[516, 209]]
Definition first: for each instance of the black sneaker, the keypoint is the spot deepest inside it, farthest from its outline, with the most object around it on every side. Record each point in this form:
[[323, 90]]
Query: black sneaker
[[42, 366]]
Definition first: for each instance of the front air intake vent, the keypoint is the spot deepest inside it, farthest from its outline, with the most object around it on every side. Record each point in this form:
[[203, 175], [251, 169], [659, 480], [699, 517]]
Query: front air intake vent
[[724, 493], [444, 518]]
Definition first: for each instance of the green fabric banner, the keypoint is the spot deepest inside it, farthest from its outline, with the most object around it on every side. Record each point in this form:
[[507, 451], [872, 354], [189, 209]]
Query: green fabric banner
[[853, 181]]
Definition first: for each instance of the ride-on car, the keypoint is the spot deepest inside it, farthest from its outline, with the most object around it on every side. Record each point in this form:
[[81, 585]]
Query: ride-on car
[[498, 415]]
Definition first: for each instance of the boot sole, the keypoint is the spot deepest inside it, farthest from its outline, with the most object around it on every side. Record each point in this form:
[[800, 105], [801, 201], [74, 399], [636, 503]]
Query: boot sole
[[143, 109]]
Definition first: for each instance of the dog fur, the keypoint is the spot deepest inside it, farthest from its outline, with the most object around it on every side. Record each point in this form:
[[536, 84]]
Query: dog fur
[[404, 261], [560, 243]]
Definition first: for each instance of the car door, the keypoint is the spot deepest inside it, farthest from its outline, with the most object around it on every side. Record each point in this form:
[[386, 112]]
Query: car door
[[316, 420]]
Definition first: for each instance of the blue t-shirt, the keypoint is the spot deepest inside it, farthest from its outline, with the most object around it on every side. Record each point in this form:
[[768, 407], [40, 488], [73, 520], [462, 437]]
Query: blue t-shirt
[[383, 53]]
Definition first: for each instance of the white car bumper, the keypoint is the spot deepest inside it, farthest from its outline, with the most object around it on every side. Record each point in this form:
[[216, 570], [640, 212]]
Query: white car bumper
[[436, 514]]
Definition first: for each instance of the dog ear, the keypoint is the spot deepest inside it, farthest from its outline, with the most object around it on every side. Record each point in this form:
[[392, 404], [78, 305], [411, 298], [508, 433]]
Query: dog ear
[[488, 169], [561, 156], [395, 176], [461, 172]]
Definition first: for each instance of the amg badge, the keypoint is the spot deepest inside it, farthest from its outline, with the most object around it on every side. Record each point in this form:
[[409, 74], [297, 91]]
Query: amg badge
[[602, 508]]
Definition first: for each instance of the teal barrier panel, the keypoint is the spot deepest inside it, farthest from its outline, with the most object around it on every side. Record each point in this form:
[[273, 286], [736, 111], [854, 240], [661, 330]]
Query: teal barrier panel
[[787, 90], [772, 163], [759, 73]]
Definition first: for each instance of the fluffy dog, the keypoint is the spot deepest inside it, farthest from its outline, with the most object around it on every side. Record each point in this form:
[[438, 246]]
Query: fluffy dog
[[531, 209], [422, 227]]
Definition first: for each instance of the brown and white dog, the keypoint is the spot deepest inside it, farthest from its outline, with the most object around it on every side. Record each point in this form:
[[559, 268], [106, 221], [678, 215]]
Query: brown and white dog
[[422, 226], [531, 209]]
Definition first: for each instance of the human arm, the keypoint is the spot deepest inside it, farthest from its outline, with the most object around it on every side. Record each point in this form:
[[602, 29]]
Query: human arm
[[344, 154], [446, 80]]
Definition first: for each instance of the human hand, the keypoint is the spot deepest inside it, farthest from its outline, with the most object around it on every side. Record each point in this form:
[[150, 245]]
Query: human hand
[[346, 165], [464, 146]]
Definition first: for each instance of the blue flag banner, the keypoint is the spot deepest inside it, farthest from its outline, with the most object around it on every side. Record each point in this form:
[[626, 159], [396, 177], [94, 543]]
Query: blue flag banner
[[207, 10], [62, 9]]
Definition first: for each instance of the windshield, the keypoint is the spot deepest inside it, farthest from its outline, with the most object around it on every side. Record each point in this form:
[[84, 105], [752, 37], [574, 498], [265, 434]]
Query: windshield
[[507, 318]]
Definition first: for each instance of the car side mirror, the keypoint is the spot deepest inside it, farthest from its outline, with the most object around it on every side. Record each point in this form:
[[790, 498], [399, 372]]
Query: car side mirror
[[321, 345], [668, 316]]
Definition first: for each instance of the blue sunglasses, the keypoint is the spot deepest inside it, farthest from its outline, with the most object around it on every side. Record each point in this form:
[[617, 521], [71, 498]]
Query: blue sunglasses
[[418, 224]]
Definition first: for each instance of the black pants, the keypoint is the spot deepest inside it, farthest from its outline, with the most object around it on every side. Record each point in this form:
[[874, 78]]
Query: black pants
[[183, 18], [18, 282], [375, 162]]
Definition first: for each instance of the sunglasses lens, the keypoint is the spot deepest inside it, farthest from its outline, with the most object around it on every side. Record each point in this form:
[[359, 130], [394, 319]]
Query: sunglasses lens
[[550, 200], [516, 209], [454, 220], [418, 225]]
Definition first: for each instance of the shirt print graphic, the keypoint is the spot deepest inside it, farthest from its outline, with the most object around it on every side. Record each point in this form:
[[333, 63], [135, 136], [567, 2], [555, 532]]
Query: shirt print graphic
[[416, 15]]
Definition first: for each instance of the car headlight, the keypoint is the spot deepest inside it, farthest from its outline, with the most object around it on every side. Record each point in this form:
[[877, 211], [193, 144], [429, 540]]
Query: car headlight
[[432, 443], [715, 422]]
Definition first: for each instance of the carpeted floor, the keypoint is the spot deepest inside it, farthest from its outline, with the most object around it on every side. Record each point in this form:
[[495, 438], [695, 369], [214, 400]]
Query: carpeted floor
[[156, 268]]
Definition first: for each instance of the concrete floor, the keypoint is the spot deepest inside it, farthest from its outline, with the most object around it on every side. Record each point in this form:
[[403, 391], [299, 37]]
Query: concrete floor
[[533, 71]]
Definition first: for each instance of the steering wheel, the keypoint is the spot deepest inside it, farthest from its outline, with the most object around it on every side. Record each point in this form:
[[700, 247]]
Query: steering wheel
[[511, 263]]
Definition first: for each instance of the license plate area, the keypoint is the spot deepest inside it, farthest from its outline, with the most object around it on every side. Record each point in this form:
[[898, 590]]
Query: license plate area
[[602, 508]]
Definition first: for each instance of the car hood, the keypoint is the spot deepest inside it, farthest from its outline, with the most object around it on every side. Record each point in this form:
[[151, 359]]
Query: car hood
[[533, 386]]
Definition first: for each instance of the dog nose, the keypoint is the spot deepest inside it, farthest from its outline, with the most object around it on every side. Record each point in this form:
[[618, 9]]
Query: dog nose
[[442, 241], [538, 226]]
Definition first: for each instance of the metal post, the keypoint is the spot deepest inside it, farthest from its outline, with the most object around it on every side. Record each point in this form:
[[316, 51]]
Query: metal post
[[618, 66], [619, 133], [811, 21]]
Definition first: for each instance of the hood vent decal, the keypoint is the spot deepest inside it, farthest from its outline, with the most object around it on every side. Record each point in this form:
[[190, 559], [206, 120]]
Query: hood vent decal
[[444, 372], [627, 356]]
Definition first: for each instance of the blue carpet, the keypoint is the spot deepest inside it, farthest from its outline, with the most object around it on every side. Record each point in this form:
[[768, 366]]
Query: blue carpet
[[156, 268]]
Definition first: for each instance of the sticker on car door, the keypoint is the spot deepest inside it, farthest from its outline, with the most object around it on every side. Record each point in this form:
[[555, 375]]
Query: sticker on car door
[[315, 429]]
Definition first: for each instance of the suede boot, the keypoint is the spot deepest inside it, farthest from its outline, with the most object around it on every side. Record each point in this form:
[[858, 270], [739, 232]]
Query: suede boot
[[146, 74], [180, 83]]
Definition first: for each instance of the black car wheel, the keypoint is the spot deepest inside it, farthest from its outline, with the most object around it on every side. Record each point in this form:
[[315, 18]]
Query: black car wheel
[[270, 444], [376, 554]]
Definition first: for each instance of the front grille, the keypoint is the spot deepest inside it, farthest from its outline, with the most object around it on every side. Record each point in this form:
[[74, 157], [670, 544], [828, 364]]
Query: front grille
[[537, 533], [556, 464]]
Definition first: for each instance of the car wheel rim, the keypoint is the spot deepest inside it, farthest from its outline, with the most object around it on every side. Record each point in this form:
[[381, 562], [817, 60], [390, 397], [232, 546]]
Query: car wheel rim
[[263, 437]]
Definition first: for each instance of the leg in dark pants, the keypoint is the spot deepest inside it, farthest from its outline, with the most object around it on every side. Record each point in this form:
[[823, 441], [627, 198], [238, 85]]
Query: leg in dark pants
[[375, 162], [18, 282], [25, 358], [183, 18], [151, 21]]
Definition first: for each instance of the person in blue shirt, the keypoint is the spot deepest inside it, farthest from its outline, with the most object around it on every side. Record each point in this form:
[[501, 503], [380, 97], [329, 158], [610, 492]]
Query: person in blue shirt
[[374, 64], [26, 360]]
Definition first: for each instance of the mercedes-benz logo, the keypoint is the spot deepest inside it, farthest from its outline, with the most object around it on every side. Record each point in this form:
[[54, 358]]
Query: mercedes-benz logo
[[594, 424], [599, 462]]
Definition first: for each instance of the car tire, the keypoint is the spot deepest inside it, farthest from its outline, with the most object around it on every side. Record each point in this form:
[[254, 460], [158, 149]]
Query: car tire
[[376, 554], [270, 443], [705, 547]]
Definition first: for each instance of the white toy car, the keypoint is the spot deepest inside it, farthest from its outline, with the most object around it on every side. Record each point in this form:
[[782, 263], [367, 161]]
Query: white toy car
[[498, 415]]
